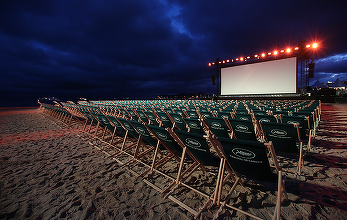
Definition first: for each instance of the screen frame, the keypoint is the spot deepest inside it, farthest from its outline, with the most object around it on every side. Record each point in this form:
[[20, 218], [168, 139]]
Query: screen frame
[[225, 70]]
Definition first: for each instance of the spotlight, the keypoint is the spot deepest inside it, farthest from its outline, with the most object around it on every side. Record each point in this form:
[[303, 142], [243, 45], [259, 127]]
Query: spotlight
[[263, 55], [209, 64], [275, 52], [296, 48], [315, 45], [269, 53], [241, 59], [288, 50], [308, 46]]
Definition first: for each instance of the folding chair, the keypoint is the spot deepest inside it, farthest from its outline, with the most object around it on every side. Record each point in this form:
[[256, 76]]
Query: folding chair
[[243, 130], [199, 148], [303, 123], [152, 118], [245, 116], [166, 140], [191, 114], [195, 125], [284, 138], [217, 126], [250, 160], [164, 120], [177, 121]]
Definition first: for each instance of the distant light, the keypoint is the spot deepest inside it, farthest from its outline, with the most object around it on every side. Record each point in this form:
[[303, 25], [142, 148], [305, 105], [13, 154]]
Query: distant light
[[223, 61], [220, 62], [308, 46], [256, 56], [209, 64], [315, 45], [282, 51], [296, 48], [248, 57], [288, 50], [269, 53], [232, 60], [228, 61], [263, 54], [241, 58], [275, 52], [237, 59], [213, 63]]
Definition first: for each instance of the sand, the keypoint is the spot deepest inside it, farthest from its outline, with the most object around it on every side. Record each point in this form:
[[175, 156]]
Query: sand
[[50, 171]]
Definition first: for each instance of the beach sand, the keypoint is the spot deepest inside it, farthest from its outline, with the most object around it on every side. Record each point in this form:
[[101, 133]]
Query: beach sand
[[50, 171]]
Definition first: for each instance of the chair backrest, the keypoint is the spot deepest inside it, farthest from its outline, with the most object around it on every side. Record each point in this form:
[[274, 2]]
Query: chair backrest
[[151, 117], [197, 145], [128, 126], [243, 129], [265, 118], [195, 125], [248, 158], [165, 138], [165, 120], [302, 121], [218, 126], [104, 121], [283, 136], [191, 114], [121, 132], [243, 116], [143, 117], [305, 115], [142, 130], [178, 121]]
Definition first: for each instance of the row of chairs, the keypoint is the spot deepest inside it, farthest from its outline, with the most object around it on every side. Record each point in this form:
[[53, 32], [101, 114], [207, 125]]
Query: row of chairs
[[247, 127], [191, 146]]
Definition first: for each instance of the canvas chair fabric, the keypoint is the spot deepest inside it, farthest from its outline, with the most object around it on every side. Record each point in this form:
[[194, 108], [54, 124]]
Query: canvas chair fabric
[[177, 121], [285, 138], [217, 126], [250, 160], [243, 129], [195, 125]]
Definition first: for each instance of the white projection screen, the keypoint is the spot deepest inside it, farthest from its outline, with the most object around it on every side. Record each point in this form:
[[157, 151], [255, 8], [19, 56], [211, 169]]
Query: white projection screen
[[270, 77]]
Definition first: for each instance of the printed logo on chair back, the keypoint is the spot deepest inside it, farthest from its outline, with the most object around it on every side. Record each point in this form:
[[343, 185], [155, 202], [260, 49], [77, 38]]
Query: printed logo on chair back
[[177, 119], [292, 122], [194, 144], [278, 133], [193, 125], [243, 153], [163, 118], [162, 136], [142, 131], [241, 128], [217, 126], [127, 126], [264, 120], [192, 114], [243, 118]]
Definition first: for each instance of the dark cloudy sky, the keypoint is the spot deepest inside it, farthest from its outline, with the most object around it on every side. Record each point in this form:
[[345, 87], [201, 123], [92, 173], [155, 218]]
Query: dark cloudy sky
[[113, 49]]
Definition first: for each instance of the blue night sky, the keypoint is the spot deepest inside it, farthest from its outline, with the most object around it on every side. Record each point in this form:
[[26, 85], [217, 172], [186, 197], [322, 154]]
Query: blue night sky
[[112, 49]]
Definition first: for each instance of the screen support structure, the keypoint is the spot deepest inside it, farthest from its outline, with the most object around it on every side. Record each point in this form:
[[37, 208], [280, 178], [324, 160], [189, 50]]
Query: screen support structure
[[218, 72], [303, 60]]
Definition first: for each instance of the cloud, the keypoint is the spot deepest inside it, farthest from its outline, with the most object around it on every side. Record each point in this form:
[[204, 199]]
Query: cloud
[[140, 49]]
